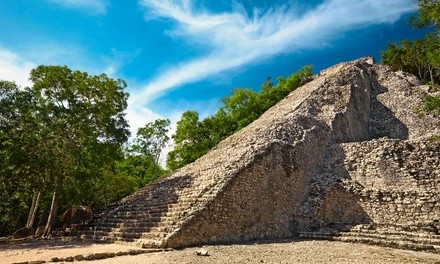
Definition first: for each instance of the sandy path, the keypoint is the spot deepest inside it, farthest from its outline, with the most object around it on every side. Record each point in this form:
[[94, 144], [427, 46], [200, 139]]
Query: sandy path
[[46, 250], [280, 252], [288, 252]]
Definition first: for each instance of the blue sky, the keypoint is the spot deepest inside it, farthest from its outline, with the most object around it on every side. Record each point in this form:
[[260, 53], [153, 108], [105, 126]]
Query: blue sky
[[179, 55]]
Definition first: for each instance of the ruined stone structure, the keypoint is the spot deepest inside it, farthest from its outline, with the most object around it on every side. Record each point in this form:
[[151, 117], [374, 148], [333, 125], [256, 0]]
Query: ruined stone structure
[[346, 156]]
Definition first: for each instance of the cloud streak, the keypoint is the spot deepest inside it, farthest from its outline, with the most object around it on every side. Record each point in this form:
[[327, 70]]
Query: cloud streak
[[14, 68], [95, 7], [235, 38]]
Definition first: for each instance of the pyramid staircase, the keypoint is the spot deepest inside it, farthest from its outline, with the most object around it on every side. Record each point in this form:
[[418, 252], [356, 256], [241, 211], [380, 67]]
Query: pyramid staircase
[[149, 217], [146, 218], [257, 183]]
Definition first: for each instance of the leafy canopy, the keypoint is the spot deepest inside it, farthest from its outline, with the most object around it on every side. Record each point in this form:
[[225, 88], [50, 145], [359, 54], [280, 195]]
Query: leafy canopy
[[67, 128]]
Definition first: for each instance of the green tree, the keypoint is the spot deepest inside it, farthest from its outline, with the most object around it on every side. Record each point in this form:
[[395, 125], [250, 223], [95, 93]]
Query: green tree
[[22, 155], [432, 58], [109, 184], [152, 139], [420, 57], [139, 169], [243, 107], [271, 94], [67, 126], [417, 57], [191, 141], [141, 161], [86, 124], [393, 56], [220, 126], [429, 14]]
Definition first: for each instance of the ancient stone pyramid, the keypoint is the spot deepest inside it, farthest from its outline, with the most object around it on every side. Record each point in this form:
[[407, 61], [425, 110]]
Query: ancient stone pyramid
[[349, 150]]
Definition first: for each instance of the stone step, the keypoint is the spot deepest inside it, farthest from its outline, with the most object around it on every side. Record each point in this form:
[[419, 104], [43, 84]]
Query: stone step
[[142, 215], [159, 207], [142, 205], [391, 243], [150, 243], [164, 200], [132, 219], [396, 232], [171, 210], [416, 238], [134, 223], [395, 242], [144, 243], [143, 227], [130, 235], [141, 220], [149, 214], [159, 228]]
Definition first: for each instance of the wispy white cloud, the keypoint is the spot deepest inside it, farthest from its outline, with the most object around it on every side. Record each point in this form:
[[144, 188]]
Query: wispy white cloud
[[14, 68], [116, 59], [236, 38], [95, 7]]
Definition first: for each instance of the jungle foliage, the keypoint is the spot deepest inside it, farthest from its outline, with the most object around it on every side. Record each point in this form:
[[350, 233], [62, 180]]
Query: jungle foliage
[[63, 142]]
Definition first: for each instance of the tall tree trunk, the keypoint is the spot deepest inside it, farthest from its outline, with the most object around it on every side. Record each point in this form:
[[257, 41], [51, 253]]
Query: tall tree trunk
[[34, 199], [53, 208], [33, 209], [431, 75], [53, 212]]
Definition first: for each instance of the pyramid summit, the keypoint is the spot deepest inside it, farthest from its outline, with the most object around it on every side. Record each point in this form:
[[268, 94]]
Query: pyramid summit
[[347, 152]]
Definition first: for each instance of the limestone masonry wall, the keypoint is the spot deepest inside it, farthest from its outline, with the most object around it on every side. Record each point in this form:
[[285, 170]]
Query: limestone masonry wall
[[348, 148], [392, 182]]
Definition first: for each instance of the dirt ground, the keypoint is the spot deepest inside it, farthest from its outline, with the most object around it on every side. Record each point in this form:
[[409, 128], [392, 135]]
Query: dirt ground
[[307, 251]]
